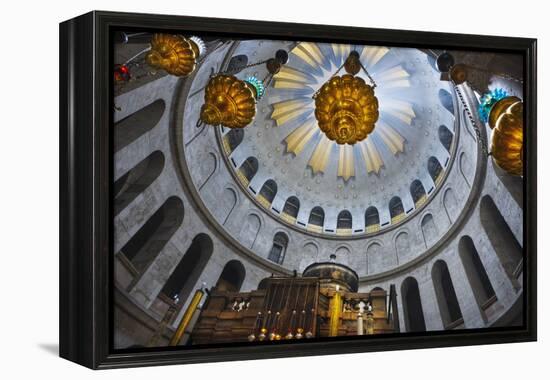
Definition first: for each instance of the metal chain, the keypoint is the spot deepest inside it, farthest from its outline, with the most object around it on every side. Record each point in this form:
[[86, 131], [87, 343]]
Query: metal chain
[[339, 69], [332, 76], [243, 68], [480, 139], [368, 75]]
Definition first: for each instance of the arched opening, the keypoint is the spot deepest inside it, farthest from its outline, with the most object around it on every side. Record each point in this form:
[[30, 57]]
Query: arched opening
[[316, 219], [248, 170], [418, 193], [184, 277], [136, 180], [435, 169], [290, 209], [278, 249], [151, 238], [344, 223], [451, 315], [137, 124], [503, 240], [267, 193], [232, 139], [446, 100], [477, 275], [232, 277], [446, 137], [413, 313], [397, 212], [372, 220]]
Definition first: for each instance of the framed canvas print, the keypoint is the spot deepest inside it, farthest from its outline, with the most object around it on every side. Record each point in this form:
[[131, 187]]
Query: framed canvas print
[[237, 189]]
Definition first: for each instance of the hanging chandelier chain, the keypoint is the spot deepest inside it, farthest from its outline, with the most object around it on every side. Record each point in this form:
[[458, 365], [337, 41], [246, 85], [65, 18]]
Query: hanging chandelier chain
[[368, 75], [332, 76], [237, 69], [480, 139]]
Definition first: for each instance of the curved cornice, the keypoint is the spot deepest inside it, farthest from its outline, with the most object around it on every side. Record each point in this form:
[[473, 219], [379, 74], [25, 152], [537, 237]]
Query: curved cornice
[[184, 176], [473, 198]]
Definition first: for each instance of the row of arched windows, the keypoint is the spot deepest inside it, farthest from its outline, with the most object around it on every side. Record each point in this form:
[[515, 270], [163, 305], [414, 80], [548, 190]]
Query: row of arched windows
[[316, 220], [145, 246], [509, 253]]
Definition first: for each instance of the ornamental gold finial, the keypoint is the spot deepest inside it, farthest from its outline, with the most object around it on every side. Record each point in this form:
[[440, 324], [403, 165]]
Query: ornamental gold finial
[[506, 121], [229, 101], [346, 109], [175, 54]]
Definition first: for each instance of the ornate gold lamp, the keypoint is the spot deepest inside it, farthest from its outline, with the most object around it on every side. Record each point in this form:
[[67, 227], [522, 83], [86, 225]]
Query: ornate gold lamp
[[230, 101], [506, 121], [345, 107], [175, 54]]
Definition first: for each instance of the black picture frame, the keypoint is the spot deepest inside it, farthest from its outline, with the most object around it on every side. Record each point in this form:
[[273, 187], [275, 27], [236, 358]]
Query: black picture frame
[[85, 188]]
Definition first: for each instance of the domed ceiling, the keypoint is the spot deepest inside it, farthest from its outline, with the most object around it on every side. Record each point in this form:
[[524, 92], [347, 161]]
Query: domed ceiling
[[405, 155]]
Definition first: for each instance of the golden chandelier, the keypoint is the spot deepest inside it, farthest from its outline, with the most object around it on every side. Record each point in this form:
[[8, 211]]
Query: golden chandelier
[[506, 121], [345, 107], [175, 54], [229, 101]]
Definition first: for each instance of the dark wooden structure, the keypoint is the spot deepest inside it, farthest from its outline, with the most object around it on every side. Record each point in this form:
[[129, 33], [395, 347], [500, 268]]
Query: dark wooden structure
[[322, 302]]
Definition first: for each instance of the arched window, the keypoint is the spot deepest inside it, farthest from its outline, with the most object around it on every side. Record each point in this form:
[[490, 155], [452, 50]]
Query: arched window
[[184, 277], [267, 193], [137, 179], [372, 220], [435, 170], [278, 250], [477, 275], [397, 212], [151, 238], [232, 277], [290, 209], [446, 100], [232, 139], [412, 306], [451, 315], [248, 170], [316, 219], [502, 238], [137, 124], [418, 193], [446, 137], [344, 223]]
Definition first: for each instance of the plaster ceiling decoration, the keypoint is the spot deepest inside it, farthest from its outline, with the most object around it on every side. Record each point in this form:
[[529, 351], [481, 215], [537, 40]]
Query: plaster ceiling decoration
[[310, 66], [295, 153]]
